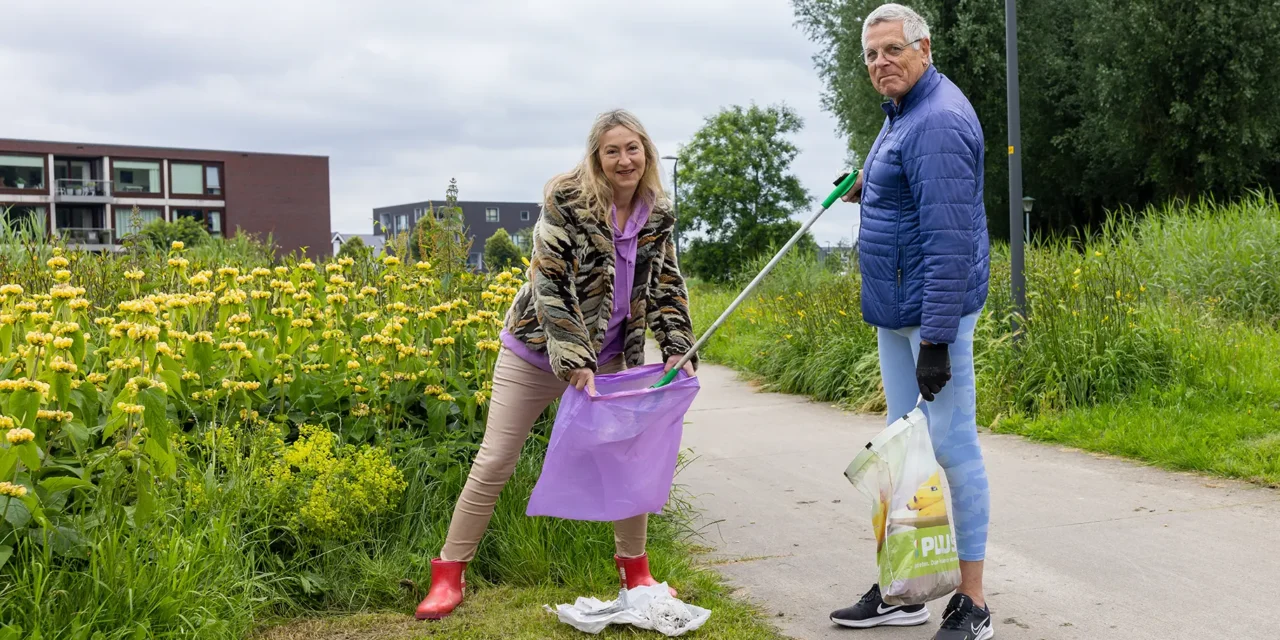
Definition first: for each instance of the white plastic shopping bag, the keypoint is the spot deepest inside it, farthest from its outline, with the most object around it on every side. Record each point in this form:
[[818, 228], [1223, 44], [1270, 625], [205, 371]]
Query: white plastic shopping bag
[[910, 512], [650, 607]]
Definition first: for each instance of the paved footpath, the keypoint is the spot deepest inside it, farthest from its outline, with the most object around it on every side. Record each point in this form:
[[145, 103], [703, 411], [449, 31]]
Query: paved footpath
[[1081, 546]]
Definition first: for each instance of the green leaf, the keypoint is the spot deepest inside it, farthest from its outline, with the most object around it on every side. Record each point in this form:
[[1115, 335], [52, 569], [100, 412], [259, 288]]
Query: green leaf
[[33, 506], [15, 512], [8, 462], [62, 389], [203, 353], [155, 417], [78, 347], [24, 406], [158, 450], [171, 378], [29, 453], [6, 338], [78, 433], [65, 483], [5, 552], [146, 499]]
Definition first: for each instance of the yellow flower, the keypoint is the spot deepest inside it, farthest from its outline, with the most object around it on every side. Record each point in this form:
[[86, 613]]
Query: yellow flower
[[11, 290], [422, 265], [228, 272], [62, 366], [12, 490], [62, 275], [55, 416], [178, 263], [19, 436], [444, 397], [136, 274], [337, 299], [391, 261], [177, 245], [58, 262], [65, 292], [352, 364], [36, 338], [130, 409], [307, 266], [7, 423]]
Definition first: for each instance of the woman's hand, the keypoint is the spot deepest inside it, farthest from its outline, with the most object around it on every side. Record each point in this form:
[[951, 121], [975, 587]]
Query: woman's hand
[[581, 378], [675, 360], [855, 192]]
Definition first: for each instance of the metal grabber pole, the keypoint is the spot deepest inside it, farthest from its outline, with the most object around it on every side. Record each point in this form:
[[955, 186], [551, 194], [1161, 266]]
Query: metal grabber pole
[[842, 188]]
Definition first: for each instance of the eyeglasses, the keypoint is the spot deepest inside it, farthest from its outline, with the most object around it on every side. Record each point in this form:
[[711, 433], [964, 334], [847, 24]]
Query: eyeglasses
[[893, 51]]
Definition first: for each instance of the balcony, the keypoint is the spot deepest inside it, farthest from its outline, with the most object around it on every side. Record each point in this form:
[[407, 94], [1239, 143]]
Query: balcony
[[81, 190], [89, 239]]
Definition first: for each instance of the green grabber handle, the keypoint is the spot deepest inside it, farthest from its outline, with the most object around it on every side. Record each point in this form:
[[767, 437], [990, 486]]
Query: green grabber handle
[[842, 188]]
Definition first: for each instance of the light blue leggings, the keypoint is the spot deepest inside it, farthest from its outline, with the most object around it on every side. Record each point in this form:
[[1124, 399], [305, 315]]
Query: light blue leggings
[[953, 426]]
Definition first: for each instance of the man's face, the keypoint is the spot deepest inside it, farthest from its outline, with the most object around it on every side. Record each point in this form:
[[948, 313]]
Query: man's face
[[894, 75]]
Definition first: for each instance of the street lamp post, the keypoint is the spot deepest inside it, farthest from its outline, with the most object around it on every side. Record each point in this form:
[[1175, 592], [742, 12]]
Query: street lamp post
[[1017, 258], [675, 181], [1027, 203]]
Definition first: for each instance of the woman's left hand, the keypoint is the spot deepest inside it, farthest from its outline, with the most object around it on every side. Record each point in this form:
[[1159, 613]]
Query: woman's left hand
[[675, 360]]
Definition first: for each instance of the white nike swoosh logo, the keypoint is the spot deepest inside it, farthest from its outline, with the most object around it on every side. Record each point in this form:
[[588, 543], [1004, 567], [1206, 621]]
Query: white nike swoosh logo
[[881, 610]]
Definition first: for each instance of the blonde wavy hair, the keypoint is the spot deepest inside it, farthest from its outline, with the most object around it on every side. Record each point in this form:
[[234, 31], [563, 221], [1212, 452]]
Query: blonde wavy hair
[[586, 185]]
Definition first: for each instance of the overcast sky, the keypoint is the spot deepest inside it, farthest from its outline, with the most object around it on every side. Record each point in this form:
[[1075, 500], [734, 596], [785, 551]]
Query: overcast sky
[[404, 95]]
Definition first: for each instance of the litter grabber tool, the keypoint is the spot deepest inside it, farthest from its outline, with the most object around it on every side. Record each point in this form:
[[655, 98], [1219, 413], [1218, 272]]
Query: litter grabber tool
[[843, 185], [910, 512]]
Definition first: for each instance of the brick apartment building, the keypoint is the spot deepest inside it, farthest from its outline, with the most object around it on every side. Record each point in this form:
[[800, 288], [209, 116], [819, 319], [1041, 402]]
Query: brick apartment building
[[482, 219], [87, 192]]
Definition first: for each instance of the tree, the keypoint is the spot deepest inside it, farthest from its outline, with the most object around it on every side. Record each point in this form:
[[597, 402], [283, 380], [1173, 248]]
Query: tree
[[968, 47], [741, 193], [441, 236], [1123, 102], [357, 250], [162, 233], [500, 252]]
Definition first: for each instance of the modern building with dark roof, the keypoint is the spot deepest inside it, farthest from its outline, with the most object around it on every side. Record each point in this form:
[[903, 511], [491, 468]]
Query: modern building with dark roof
[[482, 220], [87, 192]]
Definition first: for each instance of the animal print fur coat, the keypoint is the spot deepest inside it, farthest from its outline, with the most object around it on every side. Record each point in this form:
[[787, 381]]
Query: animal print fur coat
[[563, 309]]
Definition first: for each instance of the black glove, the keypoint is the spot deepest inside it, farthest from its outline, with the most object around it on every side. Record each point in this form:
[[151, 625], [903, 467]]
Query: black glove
[[933, 369]]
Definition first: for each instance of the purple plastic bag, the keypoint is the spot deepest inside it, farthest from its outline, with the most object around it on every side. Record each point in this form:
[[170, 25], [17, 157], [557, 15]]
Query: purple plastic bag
[[613, 455]]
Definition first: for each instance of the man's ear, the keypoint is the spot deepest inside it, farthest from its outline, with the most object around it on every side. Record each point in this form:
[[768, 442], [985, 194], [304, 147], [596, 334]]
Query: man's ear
[[926, 48]]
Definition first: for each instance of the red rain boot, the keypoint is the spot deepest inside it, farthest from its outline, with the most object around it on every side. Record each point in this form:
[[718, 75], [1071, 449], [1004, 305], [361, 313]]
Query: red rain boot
[[445, 594], [634, 572]]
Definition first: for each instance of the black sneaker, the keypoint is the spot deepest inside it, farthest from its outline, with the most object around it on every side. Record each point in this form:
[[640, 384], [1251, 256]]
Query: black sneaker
[[963, 620], [871, 611]]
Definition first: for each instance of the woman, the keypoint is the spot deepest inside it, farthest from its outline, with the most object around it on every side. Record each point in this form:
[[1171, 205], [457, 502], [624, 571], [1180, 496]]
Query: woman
[[603, 269]]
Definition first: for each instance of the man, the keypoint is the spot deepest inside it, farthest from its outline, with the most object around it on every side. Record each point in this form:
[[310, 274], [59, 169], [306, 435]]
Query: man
[[923, 252]]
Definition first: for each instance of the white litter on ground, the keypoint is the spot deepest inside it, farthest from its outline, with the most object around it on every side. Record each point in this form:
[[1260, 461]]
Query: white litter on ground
[[650, 608]]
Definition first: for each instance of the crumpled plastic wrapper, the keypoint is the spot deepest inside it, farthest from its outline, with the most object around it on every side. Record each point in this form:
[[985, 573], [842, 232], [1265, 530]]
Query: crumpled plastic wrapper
[[650, 608]]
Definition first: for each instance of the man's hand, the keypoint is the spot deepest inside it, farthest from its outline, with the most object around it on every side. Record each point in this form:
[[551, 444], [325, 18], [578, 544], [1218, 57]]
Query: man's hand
[[675, 360], [855, 192], [933, 369], [583, 378]]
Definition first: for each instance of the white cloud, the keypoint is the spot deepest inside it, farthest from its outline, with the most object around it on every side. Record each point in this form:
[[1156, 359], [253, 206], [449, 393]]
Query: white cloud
[[405, 95]]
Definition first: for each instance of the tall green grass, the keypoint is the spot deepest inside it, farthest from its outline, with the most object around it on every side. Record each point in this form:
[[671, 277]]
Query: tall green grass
[[1136, 334]]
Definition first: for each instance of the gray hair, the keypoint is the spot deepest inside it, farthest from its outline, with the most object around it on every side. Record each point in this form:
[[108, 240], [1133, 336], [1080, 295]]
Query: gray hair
[[913, 26]]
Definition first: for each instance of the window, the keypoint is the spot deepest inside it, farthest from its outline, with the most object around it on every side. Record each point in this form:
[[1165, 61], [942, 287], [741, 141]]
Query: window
[[195, 179], [210, 218], [491, 215], [128, 222], [403, 222], [24, 173], [524, 216], [25, 217], [136, 177]]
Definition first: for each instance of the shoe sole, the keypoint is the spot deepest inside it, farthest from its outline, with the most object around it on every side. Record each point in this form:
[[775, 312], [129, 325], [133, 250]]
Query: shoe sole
[[895, 619]]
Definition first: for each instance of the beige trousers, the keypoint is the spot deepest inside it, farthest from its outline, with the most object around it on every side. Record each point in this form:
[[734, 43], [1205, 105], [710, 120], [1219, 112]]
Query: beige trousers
[[521, 392]]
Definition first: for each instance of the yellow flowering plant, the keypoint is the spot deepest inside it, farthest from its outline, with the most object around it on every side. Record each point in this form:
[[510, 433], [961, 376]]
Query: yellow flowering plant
[[121, 391]]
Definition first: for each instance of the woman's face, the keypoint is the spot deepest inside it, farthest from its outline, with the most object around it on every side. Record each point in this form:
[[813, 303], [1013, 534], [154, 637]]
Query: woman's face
[[622, 157]]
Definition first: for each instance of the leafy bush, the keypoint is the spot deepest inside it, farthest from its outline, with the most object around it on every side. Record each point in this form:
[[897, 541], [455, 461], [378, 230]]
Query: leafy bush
[[1174, 308]]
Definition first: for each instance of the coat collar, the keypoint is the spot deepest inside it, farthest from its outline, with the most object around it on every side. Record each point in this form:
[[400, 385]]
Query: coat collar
[[924, 86]]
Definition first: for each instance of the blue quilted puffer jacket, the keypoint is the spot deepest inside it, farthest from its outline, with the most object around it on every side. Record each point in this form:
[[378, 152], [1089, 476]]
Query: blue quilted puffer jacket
[[923, 248]]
